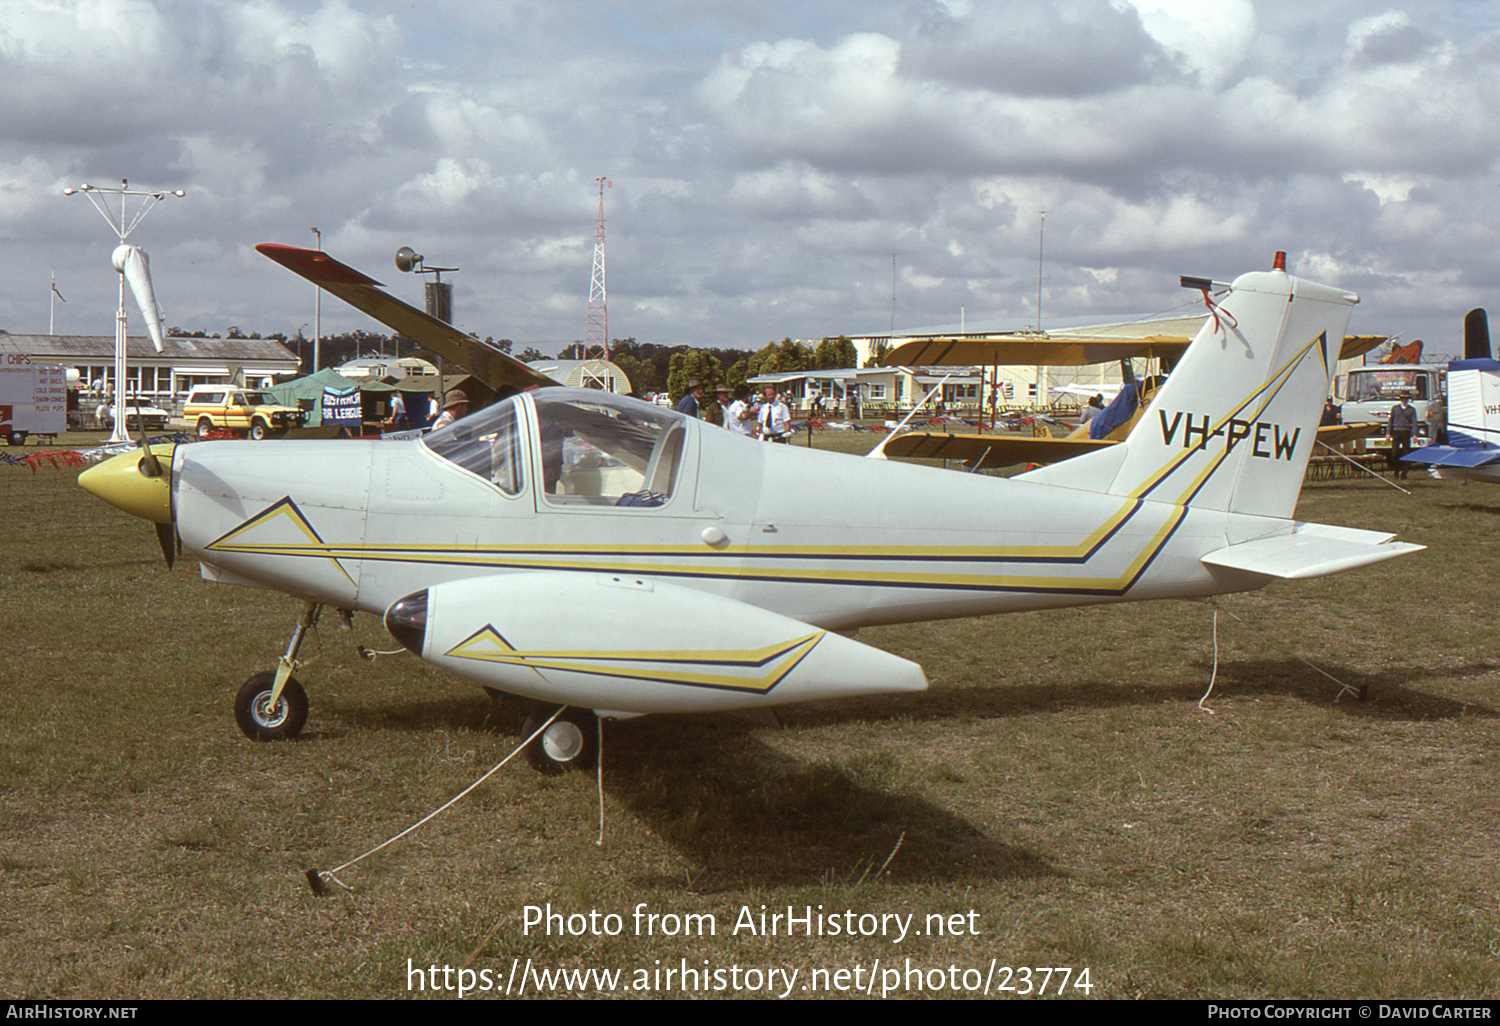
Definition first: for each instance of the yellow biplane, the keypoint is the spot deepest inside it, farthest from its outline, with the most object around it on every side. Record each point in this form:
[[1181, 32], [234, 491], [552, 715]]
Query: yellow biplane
[[1162, 341]]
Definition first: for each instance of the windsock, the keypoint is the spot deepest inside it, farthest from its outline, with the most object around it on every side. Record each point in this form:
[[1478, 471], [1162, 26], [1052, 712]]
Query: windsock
[[132, 262]]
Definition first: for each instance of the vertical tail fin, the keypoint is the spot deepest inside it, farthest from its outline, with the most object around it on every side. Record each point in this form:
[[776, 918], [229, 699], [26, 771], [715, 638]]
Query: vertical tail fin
[[1233, 427], [1477, 335]]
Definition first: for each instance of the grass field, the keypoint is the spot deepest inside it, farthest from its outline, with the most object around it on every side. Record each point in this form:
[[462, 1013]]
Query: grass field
[[1059, 798]]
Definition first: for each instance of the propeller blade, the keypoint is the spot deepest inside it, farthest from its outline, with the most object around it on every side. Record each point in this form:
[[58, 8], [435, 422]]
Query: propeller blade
[[150, 465], [166, 536], [1476, 335], [132, 262]]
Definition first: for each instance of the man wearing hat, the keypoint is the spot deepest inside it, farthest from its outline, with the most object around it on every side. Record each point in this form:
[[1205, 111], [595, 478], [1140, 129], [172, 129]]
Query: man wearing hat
[[690, 404], [456, 406], [1403, 423], [738, 416]]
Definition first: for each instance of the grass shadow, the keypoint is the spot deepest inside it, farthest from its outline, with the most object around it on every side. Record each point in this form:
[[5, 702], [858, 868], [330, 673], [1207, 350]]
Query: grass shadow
[[1387, 694], [745, 812], [478, 712], [750, 814], [1470, 507], [1390, 694]]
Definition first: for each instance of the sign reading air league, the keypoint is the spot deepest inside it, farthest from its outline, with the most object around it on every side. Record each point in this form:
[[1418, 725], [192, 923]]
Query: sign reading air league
[[341, 407], [1268, 441]]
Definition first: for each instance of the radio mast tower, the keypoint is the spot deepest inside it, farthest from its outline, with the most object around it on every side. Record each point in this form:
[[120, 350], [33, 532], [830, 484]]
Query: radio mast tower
[[596, 332]]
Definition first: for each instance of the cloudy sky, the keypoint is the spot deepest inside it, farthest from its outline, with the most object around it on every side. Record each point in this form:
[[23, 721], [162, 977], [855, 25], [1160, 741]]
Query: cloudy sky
[[767, 160]]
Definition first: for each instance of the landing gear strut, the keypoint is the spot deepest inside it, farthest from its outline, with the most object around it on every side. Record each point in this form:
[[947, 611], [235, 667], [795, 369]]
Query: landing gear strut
[[272, 706]]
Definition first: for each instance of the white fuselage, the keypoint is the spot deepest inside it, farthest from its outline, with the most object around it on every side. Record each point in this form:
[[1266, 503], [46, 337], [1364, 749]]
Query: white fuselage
[[827, 539]]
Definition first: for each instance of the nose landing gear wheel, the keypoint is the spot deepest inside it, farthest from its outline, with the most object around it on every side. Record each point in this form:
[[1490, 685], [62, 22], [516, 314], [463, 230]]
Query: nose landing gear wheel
[[571, 742], [259, 720]]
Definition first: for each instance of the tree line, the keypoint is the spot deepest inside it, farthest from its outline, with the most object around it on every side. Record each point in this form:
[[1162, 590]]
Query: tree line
[[651, 368]]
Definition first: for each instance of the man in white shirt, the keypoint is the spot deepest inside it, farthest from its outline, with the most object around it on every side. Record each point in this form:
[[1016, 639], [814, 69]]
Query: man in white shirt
[[738, 417], [773, 417]]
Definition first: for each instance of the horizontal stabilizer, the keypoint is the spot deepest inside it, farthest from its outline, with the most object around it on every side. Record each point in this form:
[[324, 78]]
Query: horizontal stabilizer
[[1311, 550], [1448, 456]]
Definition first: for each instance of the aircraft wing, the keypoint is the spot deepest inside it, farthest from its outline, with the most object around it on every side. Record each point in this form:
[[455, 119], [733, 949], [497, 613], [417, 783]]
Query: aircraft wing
[[1086, 391], [980, 451], [1449, 456], [1358, 345], [1069, 349], [500, 371], [1022, 351], [519, 633], [1338, 434]]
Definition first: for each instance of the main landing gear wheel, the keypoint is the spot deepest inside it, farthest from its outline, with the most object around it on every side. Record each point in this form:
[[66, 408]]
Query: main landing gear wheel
[[571, 742], [259, 720]]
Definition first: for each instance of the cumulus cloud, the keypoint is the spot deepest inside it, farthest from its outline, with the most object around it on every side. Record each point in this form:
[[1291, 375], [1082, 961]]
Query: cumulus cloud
[[1212, 37], [1019, 48], [769, 161]]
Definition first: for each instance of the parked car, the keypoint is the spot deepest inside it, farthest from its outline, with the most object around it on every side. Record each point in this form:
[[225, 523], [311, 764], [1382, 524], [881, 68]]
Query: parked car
[[144, 415], [212, 408]]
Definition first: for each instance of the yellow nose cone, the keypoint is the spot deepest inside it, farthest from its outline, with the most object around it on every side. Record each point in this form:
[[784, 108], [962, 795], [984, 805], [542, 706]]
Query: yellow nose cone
[[121, 482]]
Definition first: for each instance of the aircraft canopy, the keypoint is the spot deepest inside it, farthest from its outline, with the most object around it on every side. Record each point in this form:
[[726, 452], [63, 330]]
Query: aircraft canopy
[[594, 448]]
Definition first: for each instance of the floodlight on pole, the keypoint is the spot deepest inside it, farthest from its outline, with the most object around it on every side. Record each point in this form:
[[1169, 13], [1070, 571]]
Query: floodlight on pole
[[133, 266], [437, 293]]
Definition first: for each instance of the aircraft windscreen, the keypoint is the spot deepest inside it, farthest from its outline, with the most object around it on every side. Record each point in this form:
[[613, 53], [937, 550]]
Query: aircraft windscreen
[[486, 443], [1374, 385]]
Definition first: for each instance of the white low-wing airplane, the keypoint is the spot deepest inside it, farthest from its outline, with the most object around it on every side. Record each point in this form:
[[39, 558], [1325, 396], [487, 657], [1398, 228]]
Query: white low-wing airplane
[[593, 551]]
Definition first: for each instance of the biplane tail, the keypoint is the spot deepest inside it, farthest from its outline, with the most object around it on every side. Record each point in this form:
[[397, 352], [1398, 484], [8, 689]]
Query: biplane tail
[[1235, 423]]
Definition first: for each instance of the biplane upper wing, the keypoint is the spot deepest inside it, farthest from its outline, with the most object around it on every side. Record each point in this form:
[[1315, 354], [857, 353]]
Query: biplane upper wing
[[1021, 351], [500, 371], [1076, 347], [982, 451]]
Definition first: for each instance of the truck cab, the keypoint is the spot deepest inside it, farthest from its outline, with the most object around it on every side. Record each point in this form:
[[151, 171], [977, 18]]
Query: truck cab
[[1368, 393]]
